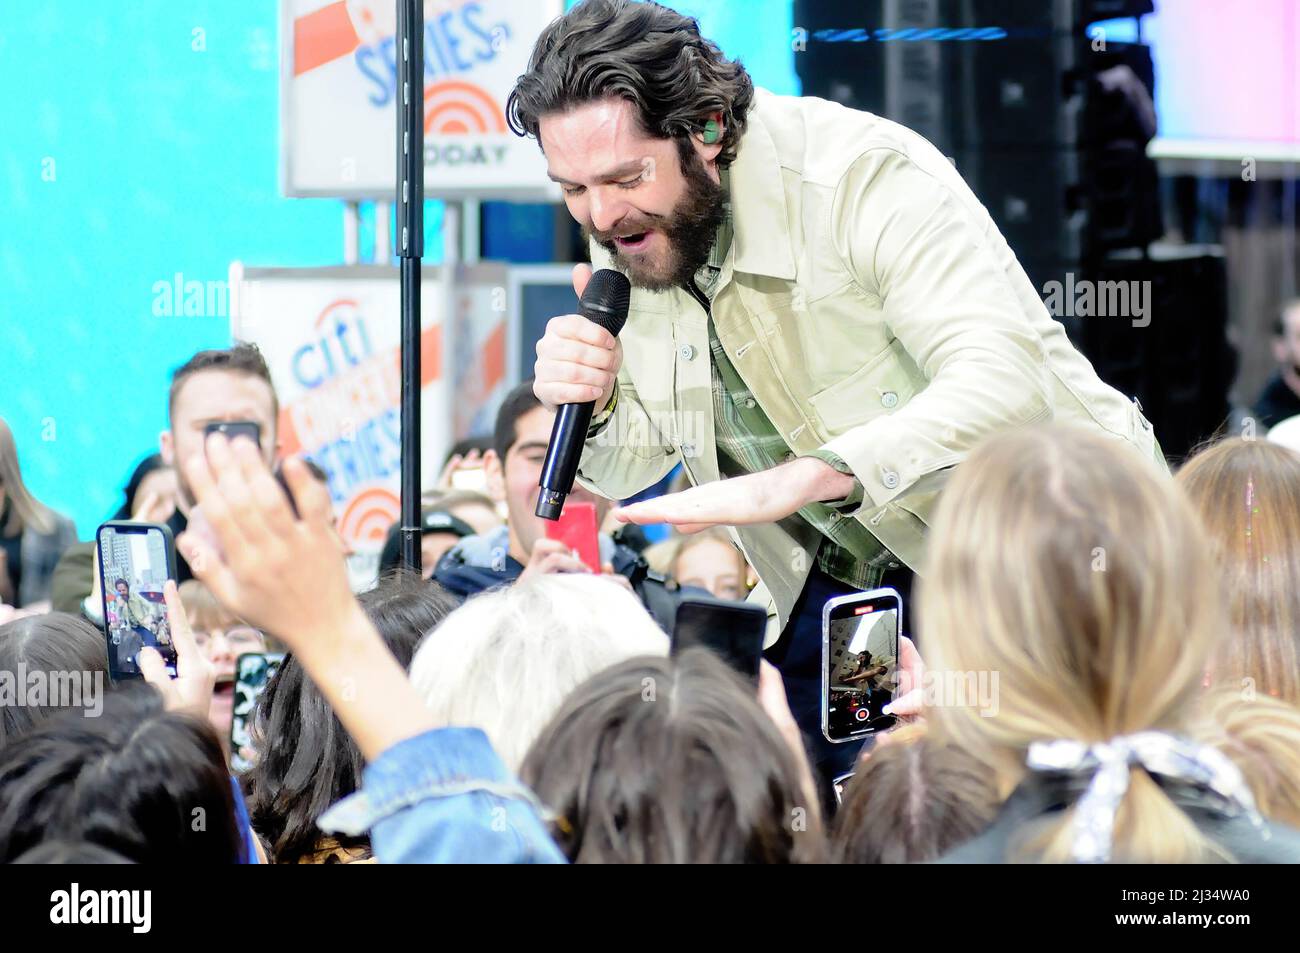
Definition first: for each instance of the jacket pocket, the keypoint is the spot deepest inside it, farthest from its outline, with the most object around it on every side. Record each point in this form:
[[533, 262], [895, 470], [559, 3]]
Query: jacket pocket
[[879, 387]]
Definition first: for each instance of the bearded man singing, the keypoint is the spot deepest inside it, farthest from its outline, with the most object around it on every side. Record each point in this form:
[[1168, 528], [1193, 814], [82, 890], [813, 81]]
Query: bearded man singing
[[824, 319]]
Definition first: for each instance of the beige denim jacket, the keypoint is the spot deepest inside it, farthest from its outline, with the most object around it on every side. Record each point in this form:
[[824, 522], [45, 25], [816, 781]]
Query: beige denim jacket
[[874, 309]]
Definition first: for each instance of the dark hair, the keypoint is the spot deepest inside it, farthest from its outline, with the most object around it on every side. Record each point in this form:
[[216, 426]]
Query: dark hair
[[136, 781], [518, 402], [146, 466], [672, 760], [644, 53], [306, 760], [121, 582], [56, 642], [912, 802], [243, 358], [466, 444]]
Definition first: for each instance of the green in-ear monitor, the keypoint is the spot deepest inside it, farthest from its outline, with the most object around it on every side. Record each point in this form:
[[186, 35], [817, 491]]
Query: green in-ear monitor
[[710, 132]]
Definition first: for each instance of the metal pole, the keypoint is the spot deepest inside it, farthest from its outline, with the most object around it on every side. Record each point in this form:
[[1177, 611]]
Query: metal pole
[[410, 246]]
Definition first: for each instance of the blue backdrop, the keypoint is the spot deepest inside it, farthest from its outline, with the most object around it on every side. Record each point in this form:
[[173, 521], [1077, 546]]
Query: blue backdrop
[[139, 142]]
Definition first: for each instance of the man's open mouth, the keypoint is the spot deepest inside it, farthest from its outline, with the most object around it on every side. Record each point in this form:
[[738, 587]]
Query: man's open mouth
[[633, 242]]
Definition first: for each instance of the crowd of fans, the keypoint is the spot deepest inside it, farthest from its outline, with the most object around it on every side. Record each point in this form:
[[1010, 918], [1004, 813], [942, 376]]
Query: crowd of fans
[[1133, 638]]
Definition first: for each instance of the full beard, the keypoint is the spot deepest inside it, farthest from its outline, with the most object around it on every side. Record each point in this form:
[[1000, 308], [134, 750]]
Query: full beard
[[689, 232]]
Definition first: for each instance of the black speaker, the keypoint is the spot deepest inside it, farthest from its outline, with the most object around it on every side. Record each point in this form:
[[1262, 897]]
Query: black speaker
[[1176, 357]]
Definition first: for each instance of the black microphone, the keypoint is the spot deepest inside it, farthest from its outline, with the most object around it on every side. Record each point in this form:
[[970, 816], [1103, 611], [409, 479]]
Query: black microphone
[[605, 302]]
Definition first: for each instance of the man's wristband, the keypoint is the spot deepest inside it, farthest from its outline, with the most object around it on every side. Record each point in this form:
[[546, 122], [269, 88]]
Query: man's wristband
[[599, 421]]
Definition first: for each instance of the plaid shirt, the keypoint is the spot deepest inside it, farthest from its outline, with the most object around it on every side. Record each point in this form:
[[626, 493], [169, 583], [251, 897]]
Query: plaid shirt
[[747, 442]]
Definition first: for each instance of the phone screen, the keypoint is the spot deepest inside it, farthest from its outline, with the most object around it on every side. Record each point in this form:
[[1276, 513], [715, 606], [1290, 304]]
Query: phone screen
[[253, 671], [859, 663], [135, 560], [734, 630], [235, 428], [576, 528]]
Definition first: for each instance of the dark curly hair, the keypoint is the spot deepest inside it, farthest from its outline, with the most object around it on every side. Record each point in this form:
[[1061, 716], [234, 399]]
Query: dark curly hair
[[645, 53], [308, 761]]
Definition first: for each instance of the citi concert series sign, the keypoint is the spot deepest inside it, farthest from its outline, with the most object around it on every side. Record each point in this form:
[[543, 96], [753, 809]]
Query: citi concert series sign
[[339, 86], [331, 339]]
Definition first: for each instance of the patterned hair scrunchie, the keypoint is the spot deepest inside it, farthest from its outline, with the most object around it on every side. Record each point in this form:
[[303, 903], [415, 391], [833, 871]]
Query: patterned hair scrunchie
[[1109, 763]]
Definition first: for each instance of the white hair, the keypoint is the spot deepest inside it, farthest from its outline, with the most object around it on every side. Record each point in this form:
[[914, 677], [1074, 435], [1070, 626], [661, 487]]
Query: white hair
[[506, 660]]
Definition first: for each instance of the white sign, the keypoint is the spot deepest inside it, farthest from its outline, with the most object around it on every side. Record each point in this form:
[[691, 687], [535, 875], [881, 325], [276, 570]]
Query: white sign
[[338, 90], [331, 337]]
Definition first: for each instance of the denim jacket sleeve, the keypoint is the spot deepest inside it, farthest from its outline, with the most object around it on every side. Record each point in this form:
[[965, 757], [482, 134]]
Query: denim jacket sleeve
[[445, 797]]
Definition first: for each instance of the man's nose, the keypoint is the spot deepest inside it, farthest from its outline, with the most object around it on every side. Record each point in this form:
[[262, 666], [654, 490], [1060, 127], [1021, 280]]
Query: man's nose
[[606, 210]]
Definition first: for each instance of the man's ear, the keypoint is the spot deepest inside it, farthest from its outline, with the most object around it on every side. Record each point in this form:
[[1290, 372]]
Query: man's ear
[[708, 144], [494, 472], [166, 448]]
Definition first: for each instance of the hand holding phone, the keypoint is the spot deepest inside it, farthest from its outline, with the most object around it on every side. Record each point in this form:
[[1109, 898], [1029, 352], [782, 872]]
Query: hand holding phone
[[576, 529], [860, 663], [187, 685]]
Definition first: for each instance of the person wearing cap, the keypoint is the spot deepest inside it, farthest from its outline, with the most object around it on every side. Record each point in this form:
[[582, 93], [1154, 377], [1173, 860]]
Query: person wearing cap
[[444, 521]]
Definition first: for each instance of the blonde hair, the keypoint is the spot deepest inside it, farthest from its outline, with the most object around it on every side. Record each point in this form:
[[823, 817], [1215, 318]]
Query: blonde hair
[[25, 510], [1248, 495], [506, 660], [715, 534], [1262, 737], [202, 608], [1061, 561]]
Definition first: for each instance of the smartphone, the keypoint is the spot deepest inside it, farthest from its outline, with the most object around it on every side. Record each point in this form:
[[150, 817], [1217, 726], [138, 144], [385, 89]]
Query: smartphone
[[576, 528], [734, 630], [135, 560], [859, 663], [473, 478], [235, 428], [253, 672]]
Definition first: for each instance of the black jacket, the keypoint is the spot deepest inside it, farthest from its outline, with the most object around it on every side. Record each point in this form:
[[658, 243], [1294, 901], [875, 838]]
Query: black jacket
[[479, 563]]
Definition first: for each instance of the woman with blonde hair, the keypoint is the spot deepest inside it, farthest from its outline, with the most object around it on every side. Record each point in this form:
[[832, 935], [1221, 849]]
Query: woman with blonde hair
[[707, 560], [1248, 495], [32, 536], [1262, 737], [1066, 567]]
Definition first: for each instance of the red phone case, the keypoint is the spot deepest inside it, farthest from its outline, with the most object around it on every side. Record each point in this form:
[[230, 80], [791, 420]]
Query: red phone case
[[576, 528]]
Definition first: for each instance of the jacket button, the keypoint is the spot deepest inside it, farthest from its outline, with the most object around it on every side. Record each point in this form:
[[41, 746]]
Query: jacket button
[[890, 479], [688, 450], [687, 352], [889, 400], [750, 403]]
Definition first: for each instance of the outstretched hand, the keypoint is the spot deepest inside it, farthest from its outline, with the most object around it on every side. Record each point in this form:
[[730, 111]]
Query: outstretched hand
[[286, 575], [763, 497], [282, 573]]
